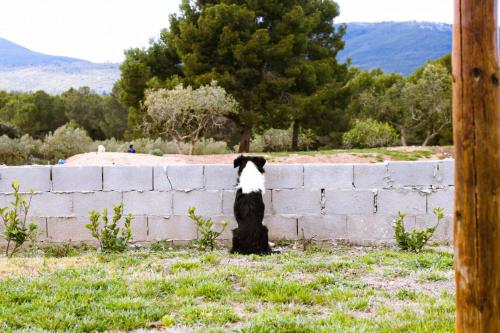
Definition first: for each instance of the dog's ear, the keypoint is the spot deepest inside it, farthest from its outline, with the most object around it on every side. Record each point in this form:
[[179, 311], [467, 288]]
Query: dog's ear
[[260, 161], [237, 161]]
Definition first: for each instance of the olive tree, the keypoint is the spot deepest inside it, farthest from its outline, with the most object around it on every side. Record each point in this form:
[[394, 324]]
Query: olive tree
[[183, 114]]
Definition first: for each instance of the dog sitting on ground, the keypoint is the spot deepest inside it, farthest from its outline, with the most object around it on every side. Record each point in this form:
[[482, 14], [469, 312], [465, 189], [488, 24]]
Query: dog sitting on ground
[[251, 237]]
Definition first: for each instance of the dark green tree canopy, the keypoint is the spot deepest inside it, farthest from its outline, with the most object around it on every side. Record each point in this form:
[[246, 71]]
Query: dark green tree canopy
[[277, 58]]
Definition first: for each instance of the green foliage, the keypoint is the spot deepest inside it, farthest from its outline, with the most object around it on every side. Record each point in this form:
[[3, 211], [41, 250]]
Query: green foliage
[[66, 141], [156, 152], [277, 140], [9, 130], [416, 239], [111, 237], [17, 229], [24, 150], [38, 113], [278, 76], [370, 134], [65, 250], [185, 114], [207, 236]]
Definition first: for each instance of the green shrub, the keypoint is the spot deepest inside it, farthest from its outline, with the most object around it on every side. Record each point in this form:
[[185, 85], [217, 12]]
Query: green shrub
[[416, 239], [17, 230], [208, 147], [156, 152], [207, 236], [10, 130], [111, 237], [65, 142], [278, 140], [370, 134], [24, 150], [65, 250]]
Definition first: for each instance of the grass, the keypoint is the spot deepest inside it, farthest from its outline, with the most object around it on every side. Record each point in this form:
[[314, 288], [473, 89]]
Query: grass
[[373, 154], [341, 289]]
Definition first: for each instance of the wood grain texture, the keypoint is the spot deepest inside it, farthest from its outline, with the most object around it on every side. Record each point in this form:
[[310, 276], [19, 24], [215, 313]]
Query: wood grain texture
[[476, 120]]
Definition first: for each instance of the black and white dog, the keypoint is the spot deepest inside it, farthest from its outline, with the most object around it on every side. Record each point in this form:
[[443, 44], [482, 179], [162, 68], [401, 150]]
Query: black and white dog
[[250, 236]]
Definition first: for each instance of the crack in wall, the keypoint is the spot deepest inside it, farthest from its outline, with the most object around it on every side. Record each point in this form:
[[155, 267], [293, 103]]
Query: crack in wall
[[323, 202]]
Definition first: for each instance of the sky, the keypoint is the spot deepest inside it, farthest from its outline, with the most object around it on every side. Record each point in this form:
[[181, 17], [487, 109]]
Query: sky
[[100, 30]]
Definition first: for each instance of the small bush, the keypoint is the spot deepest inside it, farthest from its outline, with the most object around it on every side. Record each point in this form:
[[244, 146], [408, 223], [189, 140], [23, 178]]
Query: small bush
[[156, 152], [415, 240], [370, 134], [207, 235], [278, 140], [24, 150], [111, 237], [66, 141], [17, 230], [65, 250]]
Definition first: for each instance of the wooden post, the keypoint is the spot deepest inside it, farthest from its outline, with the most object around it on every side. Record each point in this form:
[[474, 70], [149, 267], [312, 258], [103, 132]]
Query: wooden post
[[476, 121]]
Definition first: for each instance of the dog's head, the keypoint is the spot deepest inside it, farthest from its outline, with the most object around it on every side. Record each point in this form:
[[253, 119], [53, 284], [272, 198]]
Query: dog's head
[[241, 161]]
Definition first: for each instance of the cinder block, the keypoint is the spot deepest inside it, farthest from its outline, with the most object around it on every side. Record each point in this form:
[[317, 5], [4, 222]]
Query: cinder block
[[328, 176], [147, 203], [227, 234], [444, 228], [300, 201], [5, 200], [186, 177], [322, 227], [443, 198], [68, 229], [127, 178], [83, 203], [369, 228], [220, 177], [350, 202], [160, 178], [171, 228], [206, 202], [228, 202], [29, 177], [50, 204], [447, 172], [284, 176], [281, 227], [370, 176], [389, 202], [418, 173], [76, 178], [139, 227]]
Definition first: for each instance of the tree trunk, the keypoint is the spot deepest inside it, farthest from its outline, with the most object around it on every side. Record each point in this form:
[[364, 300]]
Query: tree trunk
[[178, 146], [428, 138], [191, 146], [476, 131], [402, 133], [295, 135], [246, 135]]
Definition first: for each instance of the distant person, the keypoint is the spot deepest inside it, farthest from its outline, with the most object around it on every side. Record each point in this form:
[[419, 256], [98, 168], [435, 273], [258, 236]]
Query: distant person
[[101, 149], [131, 149]]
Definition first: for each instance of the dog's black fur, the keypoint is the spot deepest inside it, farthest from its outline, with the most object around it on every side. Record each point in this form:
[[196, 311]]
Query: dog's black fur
[[251, 237]]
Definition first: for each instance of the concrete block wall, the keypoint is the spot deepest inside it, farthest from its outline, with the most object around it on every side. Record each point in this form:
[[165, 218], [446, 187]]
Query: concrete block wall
[[352, 202]]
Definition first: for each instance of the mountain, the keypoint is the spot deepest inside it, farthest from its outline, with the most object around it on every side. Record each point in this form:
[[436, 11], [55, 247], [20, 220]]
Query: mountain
[[13, 55], [22, 69], [399, 47]]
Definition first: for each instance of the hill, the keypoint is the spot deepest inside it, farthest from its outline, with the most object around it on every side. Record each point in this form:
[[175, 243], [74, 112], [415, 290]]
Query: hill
[[22, 69], [399, 47]]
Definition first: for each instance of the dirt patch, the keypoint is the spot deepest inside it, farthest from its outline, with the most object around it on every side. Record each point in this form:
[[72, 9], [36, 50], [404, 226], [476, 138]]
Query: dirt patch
[[285, 158]]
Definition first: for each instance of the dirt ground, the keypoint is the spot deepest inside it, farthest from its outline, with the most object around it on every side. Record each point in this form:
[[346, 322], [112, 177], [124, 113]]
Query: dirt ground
[[346, 156]]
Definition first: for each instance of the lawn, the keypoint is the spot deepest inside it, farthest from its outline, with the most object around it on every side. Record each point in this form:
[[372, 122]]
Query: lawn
[[322, 289]]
